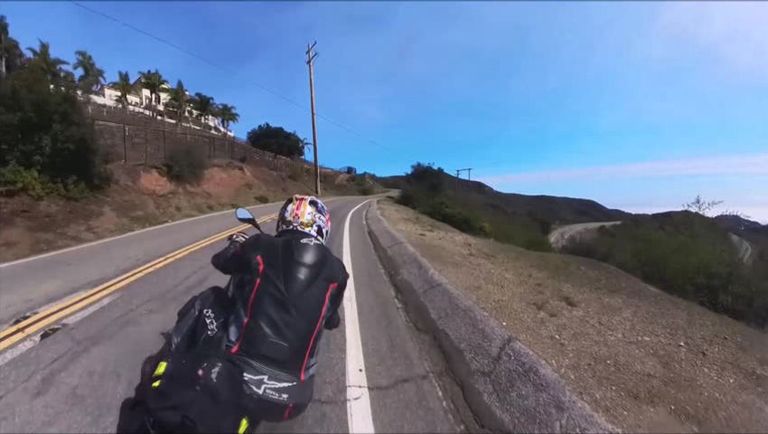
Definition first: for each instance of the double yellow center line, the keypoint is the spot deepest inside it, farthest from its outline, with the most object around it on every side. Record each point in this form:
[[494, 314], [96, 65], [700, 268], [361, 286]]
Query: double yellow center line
[[59, 311]]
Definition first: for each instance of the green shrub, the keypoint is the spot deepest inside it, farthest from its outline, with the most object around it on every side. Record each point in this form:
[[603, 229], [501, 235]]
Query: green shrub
[[73, 189], [442, 210], [427, 190], [519, 230], [261, 198], [427, 178], [23, 180], [44, 131], [276, 140], [29, 181], [186, 165], [366, 190], [359, 181], [407, 197], [687, 255]]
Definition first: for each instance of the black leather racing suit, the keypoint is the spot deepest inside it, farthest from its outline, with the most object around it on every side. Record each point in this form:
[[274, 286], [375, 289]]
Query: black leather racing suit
[[286, 289]]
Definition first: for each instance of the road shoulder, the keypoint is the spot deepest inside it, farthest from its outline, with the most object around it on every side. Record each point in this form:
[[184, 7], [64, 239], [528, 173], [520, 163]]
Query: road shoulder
[[507, 386]]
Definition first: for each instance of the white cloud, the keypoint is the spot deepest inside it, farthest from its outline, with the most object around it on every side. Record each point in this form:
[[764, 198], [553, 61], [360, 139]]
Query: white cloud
[[754, 164], [732, 34]]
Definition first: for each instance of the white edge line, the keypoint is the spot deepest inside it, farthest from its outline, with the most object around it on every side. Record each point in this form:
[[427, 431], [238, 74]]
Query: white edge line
[[359, 417]]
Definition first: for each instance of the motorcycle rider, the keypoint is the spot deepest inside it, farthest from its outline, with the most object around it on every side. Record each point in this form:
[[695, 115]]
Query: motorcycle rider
[[252, 354]]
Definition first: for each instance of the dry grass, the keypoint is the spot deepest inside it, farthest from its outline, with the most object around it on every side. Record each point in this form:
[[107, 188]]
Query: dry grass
[[644, 359], [138, 198]]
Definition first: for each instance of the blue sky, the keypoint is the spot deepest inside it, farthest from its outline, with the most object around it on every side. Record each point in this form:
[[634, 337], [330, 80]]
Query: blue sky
[[640, 106]]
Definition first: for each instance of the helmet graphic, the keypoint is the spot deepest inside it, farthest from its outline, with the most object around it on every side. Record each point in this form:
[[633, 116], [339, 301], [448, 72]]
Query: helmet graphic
[[307, 214]]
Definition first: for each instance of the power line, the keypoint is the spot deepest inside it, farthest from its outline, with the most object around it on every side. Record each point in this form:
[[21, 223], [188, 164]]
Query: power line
[[223, 68]]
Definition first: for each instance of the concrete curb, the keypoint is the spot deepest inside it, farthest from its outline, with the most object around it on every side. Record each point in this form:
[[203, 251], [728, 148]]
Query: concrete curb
[[507, 387]]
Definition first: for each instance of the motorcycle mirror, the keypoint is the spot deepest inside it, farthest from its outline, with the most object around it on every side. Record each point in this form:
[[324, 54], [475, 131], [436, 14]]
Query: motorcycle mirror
[[245, 216]]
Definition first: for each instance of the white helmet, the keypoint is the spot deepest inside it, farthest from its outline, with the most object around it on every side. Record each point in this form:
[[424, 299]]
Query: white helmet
[[307, 214]]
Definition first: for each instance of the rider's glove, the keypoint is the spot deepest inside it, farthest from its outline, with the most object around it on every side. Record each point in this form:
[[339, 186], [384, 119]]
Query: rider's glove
[[238, 237]]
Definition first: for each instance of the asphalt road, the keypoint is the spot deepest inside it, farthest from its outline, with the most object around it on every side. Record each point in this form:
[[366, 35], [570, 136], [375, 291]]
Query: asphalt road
[[75, 379]]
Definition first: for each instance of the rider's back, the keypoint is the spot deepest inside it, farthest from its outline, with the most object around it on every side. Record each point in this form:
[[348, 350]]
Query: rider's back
[[292, 285]]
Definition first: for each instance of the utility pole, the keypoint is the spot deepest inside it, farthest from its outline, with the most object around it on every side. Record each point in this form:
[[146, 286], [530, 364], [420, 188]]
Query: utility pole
[[311, 56], [468, 170]]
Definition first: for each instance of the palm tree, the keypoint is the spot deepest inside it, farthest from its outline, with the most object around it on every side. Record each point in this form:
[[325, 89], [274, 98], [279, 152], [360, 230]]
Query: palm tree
[[178, 101], [204, 106], [3, 38], [51, 66], [154, 82], [92, 78], [227, 115], [11, 55], [124, 86]]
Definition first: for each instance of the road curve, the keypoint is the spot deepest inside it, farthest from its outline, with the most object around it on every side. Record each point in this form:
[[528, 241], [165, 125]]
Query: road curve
[[75, 378], [743, 247], [559, 237]]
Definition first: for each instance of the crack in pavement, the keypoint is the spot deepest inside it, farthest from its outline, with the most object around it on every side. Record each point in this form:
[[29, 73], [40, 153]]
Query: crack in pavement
[[394, 384], [35, 373], [387, 386], [335, 401]]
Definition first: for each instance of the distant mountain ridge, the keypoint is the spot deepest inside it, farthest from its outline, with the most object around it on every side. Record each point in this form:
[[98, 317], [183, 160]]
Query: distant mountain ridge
[[555, 210], [565, 210], [736, 223], [476, 208]]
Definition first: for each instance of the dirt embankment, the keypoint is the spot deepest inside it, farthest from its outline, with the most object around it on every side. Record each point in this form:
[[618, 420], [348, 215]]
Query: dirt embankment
[[141, 197], [645, 360]]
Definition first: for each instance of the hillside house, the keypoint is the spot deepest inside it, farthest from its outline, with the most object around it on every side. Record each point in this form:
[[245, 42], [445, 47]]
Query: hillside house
[[140, 101]]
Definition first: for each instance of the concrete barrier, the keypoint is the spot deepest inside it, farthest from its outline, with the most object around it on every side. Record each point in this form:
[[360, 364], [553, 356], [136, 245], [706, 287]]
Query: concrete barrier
[[507, 387]]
